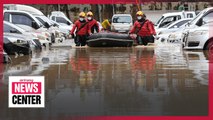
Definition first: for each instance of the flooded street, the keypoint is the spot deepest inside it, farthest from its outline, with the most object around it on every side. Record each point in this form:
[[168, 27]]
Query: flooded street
[[165, 80]]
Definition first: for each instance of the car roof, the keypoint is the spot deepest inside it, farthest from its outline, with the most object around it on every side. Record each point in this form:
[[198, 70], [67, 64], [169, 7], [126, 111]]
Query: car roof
[[121, 15], [16, 36], [209, 8], [179, 21], [177, 13]]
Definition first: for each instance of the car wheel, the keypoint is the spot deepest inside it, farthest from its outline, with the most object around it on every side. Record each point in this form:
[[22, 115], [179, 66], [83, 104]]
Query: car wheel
[[210, 47]]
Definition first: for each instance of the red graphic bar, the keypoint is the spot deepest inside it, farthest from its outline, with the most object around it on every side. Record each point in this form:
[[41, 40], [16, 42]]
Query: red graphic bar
[[94, 1]]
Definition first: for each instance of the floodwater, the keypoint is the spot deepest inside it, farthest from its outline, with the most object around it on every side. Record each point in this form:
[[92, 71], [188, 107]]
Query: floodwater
[[113, 81]]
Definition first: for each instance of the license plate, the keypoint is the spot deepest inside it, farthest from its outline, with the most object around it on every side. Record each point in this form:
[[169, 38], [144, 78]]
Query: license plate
[[121, 31]]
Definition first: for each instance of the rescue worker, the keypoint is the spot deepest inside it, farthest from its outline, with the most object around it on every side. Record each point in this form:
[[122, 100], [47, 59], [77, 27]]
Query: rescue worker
[[82, 30], [144, 29], [93, 24], [106, 24]]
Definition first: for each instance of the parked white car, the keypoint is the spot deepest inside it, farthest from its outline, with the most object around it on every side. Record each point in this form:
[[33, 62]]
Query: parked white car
[[121, 23], [56, 35], [28, 14], [197, 34], [36, 39], [164, 32], [26, 21], [168, 18], [199, 38]]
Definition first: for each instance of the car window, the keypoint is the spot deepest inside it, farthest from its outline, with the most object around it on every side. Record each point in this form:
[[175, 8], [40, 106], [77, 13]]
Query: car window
[[179, 17], [192, 22], [53, 18], [40, 20], [189, 15], [208, 18], [179, 24], [21, 19], [169, 20], [159, 20], [61, 20], [8, 28], [6, 16], [122, 19]]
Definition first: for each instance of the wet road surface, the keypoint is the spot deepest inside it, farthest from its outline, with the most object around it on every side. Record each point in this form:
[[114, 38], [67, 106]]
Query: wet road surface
[[113, 81]]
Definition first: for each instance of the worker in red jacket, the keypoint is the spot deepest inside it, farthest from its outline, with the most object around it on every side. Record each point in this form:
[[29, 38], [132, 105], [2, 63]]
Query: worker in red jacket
[[144, 29], [93, 24], [82, 30]]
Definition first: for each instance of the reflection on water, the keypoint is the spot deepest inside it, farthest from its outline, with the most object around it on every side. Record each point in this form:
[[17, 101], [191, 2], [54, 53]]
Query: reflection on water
[[114, 81]]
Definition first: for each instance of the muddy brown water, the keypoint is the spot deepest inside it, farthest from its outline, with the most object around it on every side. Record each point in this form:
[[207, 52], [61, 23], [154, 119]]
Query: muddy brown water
[[113, 81]]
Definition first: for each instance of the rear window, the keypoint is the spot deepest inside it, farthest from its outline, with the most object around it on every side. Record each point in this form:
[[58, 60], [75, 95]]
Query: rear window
[[61, 20], [189, 15], [121, 19]]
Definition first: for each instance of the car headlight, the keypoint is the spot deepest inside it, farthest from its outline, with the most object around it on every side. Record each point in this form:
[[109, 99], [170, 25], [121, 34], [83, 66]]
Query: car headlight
[[47, 34], [18, 41], [34, 35], [113, 27], [41, 37], [172, 36]]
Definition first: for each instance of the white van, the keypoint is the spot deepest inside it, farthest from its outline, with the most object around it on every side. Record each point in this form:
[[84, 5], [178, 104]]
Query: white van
[[62, 20], [168, 18], [121, 23]]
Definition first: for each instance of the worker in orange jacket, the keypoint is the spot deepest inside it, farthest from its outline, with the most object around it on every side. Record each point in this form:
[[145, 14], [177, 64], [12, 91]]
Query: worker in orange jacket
[[82, 30], [93, 24], [144, 29]]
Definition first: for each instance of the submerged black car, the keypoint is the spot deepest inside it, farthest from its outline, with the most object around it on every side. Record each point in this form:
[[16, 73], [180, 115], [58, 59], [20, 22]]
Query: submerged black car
[[16, 45]]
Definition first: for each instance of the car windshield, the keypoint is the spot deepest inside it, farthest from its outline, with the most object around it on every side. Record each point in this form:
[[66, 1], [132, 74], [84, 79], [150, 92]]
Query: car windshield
[[43, 20], [197, 17], [17, 27], [159, 21], [167, 25], [122, 19]]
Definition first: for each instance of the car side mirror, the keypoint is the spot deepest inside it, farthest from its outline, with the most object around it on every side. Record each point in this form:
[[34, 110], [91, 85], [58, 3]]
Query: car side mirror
[[68, 23], [55, 25], [46, 25], [200, 22], [13, 31], [35, 25]]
